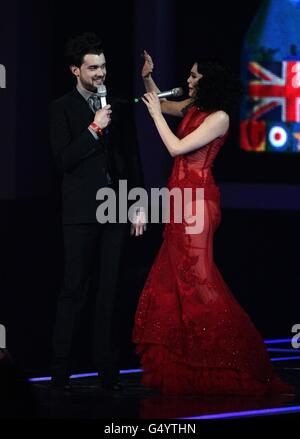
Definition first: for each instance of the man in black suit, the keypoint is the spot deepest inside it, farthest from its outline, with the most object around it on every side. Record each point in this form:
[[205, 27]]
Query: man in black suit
[[93, 148]]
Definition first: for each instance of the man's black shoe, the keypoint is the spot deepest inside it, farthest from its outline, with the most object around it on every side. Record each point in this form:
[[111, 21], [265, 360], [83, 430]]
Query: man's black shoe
[[114, 387], [110, 380], [60, 383]]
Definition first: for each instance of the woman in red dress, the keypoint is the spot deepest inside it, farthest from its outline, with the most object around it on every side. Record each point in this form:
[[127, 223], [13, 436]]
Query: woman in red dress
[[191, 334]]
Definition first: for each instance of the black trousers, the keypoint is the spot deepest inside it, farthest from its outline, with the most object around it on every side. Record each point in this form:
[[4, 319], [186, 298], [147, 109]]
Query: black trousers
[[84, 246]]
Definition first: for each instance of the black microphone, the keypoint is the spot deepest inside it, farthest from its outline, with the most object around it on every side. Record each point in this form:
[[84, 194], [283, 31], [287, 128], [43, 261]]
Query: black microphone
[[175, 93]]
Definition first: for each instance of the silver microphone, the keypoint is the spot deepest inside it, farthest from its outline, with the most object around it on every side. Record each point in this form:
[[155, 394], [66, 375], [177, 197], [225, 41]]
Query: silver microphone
[[102, 92], [175, 93]]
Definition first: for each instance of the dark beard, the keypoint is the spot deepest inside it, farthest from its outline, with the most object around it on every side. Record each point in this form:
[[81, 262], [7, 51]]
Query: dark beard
[[89, 87]]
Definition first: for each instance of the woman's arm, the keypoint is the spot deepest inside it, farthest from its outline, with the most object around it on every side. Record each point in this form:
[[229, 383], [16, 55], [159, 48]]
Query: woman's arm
[[168, 107], [215, 125]]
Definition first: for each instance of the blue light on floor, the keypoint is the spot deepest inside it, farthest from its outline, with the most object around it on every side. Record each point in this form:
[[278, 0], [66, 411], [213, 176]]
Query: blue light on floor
[[36, 380], [85, 375], [294, 351], [272, 411], [280, 340], [290, 358]]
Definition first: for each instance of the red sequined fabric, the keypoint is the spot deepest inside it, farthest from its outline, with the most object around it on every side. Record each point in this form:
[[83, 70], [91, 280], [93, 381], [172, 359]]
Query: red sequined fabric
[[191, 334]]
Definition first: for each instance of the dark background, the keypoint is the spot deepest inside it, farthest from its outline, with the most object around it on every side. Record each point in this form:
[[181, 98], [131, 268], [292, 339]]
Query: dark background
[[257, 250]]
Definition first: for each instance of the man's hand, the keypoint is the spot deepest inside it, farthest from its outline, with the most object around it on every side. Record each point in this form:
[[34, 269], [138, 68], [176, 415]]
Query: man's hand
[[102, 117], [138, 226]]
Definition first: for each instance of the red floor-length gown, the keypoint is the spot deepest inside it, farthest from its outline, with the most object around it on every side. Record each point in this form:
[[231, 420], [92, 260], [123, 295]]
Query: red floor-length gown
[[191, 334]]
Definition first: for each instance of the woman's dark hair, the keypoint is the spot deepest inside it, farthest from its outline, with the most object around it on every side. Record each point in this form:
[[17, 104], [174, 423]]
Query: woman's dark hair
[[79, 46], [218, 89]]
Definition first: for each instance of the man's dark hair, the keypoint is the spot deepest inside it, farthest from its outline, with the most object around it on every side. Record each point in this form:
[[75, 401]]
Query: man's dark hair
[[81, 45]]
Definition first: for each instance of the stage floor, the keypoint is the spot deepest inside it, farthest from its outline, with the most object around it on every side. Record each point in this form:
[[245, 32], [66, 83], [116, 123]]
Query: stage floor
[[87, 400]]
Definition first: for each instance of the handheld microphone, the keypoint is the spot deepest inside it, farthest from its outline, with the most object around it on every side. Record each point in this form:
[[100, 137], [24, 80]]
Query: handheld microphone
[[102, 92], [175, 92]]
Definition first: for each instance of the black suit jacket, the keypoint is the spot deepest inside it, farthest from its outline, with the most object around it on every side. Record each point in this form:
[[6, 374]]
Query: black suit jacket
[[83, 161]]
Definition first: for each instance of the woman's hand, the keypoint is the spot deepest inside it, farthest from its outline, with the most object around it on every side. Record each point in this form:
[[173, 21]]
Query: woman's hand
[[152, 102], [148, 65]]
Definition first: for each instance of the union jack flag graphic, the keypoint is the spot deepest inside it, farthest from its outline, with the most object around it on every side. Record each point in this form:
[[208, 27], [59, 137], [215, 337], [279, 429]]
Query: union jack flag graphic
[[271, 117], [272, 90]]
